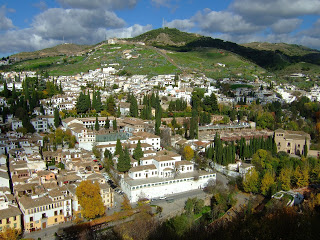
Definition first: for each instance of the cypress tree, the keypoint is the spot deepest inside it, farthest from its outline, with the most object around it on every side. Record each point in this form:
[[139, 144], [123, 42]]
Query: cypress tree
[[118, 147], [14, 92], [107, 125], [133, 107], [114, 125], [96, 125], [56, 118], [127, 160], [305, 148]]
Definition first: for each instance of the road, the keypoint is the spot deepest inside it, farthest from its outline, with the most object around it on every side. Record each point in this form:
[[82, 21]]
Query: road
[[170, 209], [47, 233]]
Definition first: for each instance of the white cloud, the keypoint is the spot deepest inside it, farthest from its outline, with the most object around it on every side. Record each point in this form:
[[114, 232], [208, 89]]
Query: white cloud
[[286, 25], [99, 4], [128, 32], [41, 5], [224, 22], [262, 11], [30, 39], [5, 23], [57, 23], [183, 25]]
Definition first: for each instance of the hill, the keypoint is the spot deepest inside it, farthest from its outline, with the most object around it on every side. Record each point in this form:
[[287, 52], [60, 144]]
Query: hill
[[67, 49], [168, 51], [288, 49], [166, 36]]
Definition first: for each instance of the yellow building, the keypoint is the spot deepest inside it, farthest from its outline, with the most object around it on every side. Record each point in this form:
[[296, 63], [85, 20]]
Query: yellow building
[[10, 217], [44, 211]]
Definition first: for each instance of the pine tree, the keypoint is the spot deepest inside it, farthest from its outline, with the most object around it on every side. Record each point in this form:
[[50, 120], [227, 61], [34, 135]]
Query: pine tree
[[96, 125], [138, 153]]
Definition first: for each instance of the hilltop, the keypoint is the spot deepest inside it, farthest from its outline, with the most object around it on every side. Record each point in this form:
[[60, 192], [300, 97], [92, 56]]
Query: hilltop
[[166, 36]]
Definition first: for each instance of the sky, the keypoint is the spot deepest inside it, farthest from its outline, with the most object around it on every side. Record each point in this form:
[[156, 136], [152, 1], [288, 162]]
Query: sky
[[28, 25]]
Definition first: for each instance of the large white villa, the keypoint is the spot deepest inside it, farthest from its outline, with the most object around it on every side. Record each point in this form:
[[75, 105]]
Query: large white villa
[[163, 174]]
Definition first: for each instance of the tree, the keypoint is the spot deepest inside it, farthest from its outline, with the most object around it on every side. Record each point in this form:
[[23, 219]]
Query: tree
[[83, 103], [251, 181], [111, 106], [138, 153], [124, 162], [266, 183], [118, 147], [284, 178], [56, 118], [89, 198], [114, 125], [96, 125], [188, 153], [9, 234], [107, 125], [133, 107], [305, 149]]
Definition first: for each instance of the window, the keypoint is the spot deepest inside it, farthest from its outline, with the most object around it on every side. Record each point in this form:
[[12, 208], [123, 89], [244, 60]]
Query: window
[[31, 219], [56, 220], [55, 213], [14, 218], [8, 220], [44, 215], [61, 212]]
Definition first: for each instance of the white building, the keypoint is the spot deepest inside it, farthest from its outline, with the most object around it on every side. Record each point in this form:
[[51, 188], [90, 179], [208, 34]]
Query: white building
[[163, 174]]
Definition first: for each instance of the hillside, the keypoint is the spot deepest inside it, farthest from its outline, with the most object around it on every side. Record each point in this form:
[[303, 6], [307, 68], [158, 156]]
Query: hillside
[[288, 49], [168, 51], [62, 49], [166, 36]]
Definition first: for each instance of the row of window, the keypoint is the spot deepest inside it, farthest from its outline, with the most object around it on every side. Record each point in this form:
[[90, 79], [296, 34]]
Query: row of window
[[169, 182], [44, 208], [161, 183], [14, 225], [8, 220]]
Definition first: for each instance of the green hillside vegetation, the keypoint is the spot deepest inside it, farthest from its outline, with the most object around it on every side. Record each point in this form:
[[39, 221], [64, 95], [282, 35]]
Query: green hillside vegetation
[[288, 49], [166, 36], [62, 49], [177, 51], [148, 61], [206, 60]]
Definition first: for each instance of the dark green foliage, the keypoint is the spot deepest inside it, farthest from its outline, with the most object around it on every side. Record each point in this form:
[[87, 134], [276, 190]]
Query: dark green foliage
[[118, 147], [177, 105], [83, 104], [210, 104], [114, 125], [138, 153], [111, 106], [107, 125], [124, 162], [56, 118], [133, 106], [96, 125]]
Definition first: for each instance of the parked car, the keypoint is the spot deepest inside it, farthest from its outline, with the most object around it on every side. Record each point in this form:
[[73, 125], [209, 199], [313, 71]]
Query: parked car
[[163, 197]]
